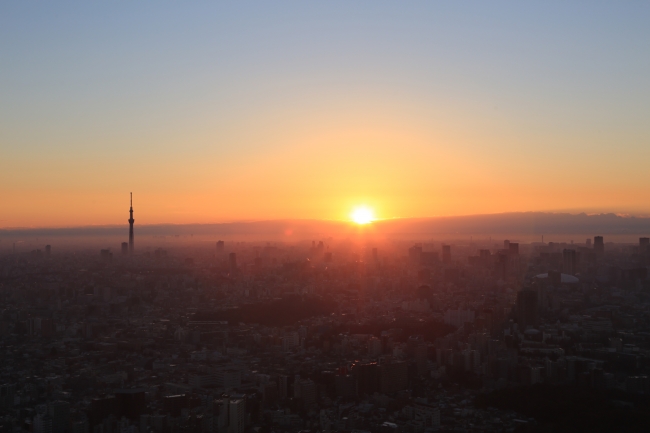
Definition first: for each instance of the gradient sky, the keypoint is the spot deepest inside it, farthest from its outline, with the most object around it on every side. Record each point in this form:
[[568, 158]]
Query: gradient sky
[[262, 110]]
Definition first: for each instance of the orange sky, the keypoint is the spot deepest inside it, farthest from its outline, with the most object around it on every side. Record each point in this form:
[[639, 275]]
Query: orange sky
[[223, 113], [319, 168]]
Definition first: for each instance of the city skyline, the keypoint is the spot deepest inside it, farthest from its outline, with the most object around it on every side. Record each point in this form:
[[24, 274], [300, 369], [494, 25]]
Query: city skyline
[[353, 217]]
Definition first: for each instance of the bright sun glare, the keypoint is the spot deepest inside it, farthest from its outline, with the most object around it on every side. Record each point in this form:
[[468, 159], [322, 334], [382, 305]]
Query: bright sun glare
[[362, 215]]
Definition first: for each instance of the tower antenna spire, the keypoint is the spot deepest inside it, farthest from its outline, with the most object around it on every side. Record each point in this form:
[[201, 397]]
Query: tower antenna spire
[[131, 221]]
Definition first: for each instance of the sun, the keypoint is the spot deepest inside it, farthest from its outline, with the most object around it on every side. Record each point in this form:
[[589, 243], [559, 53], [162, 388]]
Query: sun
[[362, 215]]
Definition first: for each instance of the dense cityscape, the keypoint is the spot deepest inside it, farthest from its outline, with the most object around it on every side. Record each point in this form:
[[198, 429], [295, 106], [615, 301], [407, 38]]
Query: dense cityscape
[[324, 335], [347, 216]]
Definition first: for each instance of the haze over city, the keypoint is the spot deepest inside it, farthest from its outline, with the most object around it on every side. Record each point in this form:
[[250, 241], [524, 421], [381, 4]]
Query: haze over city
[[295, 217]]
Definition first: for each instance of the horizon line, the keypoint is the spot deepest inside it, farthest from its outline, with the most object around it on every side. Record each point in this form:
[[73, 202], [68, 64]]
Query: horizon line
[[347, 221]]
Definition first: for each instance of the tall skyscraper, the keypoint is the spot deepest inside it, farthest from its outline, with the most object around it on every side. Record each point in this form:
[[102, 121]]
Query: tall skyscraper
[[131, 221], [599, 245], [527, 308], [237, 416], [644, 245], [220, 246], [570, 261]]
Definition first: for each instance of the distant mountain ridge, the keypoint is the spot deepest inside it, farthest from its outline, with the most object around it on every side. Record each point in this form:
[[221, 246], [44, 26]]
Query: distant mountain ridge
[[538, 223], [530, 223]]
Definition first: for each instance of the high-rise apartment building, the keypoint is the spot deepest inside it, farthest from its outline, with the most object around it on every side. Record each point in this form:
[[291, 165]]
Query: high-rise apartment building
[[599, 245], [60, 413], [236, 416], [307, 392], [527, 308], [570, 261]]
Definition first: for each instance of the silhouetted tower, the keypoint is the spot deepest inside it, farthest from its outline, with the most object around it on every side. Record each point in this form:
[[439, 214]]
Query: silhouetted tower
[[599, 245], [131, 221]]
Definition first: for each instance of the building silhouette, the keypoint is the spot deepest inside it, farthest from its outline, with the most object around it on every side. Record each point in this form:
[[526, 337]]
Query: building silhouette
[[237, 416], [131, 221], [59, 411], [446, 254], [106, 254], [501, 266], [415, 253], [232, 261], [599, 245], [570, 261], [527, 308]]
